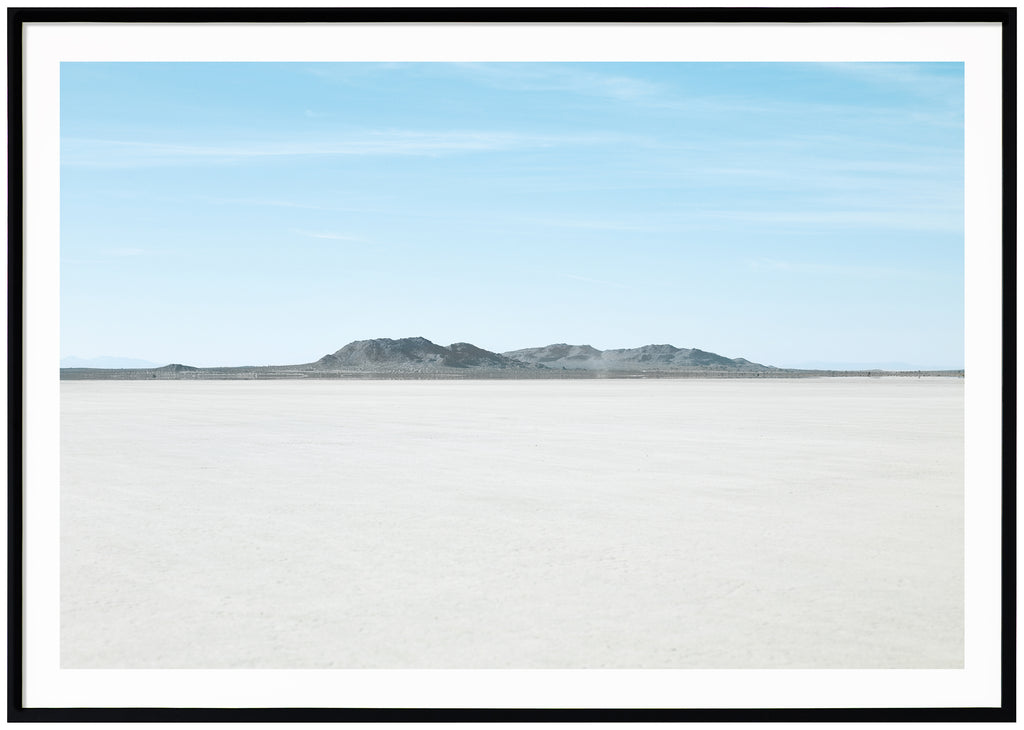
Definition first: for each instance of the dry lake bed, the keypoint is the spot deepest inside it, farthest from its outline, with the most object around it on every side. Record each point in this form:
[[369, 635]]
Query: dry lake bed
[[513, 524]]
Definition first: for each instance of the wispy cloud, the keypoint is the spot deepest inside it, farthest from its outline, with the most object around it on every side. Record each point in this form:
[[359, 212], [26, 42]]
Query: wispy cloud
[[279, 203], [372, 206], [913, 78], [85, 152], [916, 79], [564, 79], [924, 219], [599, 225], [264, 202], [580, 81], [832, 170], [820, 269], [127, 251], [329, 236], [351, 73], [601, 282]]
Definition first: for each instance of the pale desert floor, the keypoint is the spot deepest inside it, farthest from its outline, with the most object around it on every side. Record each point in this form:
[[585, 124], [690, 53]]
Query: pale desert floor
[[513, 524]]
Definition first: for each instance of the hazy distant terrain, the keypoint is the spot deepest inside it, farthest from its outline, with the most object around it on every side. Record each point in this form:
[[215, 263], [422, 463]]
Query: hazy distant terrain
[[691, 523], [874, 365], [418, 357], [106, 362]]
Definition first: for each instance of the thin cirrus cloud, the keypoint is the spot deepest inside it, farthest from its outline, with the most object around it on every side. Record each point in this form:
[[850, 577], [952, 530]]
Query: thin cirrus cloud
[[544, 77], [528, 77], [86, 152], [515, 76], [816, 269], [127, 251], [266, 202], [274, 203], [630, 90], [329, 236], [602, 225], [600, 282], [912, 78], [925, 219]]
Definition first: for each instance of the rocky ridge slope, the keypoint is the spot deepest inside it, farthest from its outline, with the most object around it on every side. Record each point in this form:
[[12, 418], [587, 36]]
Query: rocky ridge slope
[[412, 353], [418, 357], [648, 357]]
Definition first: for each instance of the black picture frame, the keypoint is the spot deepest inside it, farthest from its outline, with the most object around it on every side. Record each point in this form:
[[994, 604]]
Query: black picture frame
[[17, 18]]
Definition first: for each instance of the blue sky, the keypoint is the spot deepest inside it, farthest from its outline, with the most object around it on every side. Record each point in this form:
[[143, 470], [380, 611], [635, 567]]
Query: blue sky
[[242, 213]]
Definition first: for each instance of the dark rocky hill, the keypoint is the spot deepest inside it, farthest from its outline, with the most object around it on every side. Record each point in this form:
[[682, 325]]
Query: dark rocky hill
[[465, 355], [176, 368], [412, 353], [556, 355], [648, 357]]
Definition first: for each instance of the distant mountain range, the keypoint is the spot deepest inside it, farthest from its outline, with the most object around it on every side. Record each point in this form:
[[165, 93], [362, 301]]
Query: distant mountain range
[[419, 353], [419, 357]]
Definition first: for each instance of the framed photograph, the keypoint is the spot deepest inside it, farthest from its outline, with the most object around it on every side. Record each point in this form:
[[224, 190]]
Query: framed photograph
[[511, 364]]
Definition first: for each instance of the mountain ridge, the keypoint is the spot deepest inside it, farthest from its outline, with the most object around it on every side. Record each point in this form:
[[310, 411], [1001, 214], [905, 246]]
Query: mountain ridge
[[420, 354], [416, 353], [418, 357], [645, 357]]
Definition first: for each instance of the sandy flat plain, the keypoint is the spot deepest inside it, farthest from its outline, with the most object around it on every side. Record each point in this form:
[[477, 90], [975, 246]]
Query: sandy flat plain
[[513, 524]]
